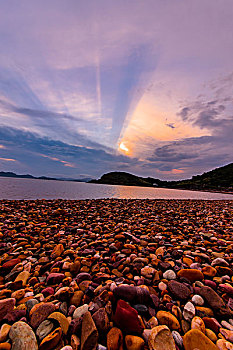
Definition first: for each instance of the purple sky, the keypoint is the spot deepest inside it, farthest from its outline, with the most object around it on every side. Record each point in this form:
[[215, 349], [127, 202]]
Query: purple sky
[[88, 87]]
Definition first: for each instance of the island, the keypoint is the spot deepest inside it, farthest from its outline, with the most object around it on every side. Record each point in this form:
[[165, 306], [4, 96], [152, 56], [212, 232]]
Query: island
[[219, 179]]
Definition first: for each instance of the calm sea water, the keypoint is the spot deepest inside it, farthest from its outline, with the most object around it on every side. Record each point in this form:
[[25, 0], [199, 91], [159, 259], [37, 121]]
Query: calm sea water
[[13, 188]]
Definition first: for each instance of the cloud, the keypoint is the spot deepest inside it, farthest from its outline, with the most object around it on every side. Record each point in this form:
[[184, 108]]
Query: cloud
[[35, 154], [74, 79]]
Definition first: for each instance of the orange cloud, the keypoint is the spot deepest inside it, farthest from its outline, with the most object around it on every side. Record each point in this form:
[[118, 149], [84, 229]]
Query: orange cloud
[[8, 159], [64, 162], [173, 171]]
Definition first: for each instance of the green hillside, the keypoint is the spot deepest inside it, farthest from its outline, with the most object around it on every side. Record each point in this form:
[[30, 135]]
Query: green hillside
[[220, 179], [217, 179]]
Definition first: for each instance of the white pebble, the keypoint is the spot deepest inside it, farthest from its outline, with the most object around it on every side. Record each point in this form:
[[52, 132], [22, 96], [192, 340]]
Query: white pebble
[[169, 275], [189, 311], [198, 300]]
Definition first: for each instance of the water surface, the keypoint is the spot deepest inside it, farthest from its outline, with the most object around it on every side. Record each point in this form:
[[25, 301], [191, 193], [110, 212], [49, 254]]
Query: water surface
[[15, 188]]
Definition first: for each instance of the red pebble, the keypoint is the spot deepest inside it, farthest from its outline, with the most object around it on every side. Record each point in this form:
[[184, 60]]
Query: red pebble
[[127, 318]]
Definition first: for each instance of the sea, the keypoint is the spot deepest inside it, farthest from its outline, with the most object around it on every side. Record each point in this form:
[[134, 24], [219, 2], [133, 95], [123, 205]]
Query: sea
[[24, 189]]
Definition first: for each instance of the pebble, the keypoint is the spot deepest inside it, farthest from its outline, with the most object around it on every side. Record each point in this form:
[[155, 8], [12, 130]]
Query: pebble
[[166, 318], [89, 333], [6, 305], [40, 312], [195, 339], [117, 274], [51, 340], [115, 339], [161, 339], [22, 337], [44, 329], [80, 311], [169, 275], [197, 300], [189, 311], [179, 290], [4, 331], [198, 323], [133, 342]]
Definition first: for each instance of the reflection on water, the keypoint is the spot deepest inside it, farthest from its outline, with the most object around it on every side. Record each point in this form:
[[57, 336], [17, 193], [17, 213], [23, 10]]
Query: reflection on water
[[13, 188]]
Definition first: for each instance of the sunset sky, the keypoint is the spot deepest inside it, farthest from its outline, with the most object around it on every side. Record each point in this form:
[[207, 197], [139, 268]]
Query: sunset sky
[[92, 86]]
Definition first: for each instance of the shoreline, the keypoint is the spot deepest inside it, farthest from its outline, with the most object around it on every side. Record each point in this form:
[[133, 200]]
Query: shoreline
[[116, 272]]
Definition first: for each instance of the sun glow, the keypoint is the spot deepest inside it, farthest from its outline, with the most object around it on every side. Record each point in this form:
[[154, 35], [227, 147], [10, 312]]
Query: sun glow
[[123, 148]]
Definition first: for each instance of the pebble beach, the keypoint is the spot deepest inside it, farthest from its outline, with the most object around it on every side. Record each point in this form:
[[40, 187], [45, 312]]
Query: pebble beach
[[116, 274]]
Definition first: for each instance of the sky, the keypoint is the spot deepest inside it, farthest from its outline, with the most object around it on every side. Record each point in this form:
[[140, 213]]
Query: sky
[[88, 87]]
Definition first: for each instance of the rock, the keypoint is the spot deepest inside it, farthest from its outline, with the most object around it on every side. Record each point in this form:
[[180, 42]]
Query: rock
[[80, 311], [147, 272], [44, 329], [228, 335], [40, 312], [223, 344], [227, 325], [211, 335], [125, 292], [51, 340], [204, 311], [75, 342], [22, 337], [75, 326], [77, 298], [211, 323], [178, 339], [189, 311], [219, 262], [132, 294], [126, 318], [169, 275], [7, 266], [6, 305], [101, 320], [161, 339], [47, 291], [198, 323], [89, 333], [197, 300], [166, 318], [133, 342], [179, 290], [4, 331], [153, 322], [14, 316], [57, 251], [30, 303], [195, 339], [55, 278], [215, 301], [64, 324], [226, 289], [209, 271], [5, 346], [191, 274], [115, 339], [23, 276]]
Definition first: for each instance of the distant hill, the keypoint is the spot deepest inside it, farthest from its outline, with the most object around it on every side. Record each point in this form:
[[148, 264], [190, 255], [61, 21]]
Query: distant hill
[[122, 178], [217, 179], [27, 176], [220, 179]]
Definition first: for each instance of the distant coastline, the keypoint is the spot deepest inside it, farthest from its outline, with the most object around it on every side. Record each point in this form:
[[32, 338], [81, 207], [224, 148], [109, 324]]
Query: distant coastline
[[219, 180], [28, 176]]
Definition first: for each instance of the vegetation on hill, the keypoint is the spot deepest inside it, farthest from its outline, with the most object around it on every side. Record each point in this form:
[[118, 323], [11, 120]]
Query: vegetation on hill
[[220, 179], [217, 179]]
